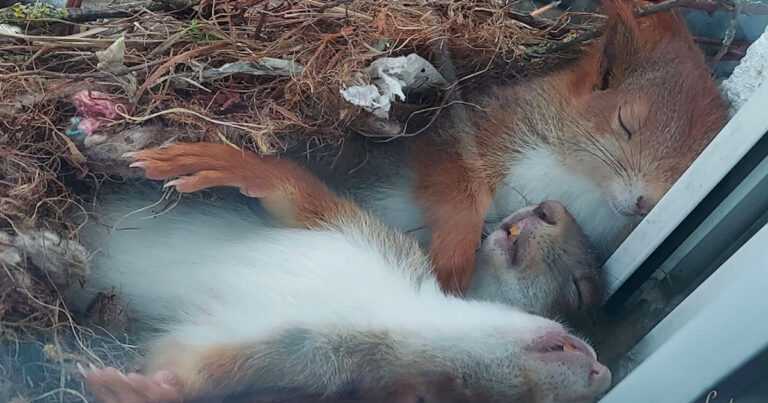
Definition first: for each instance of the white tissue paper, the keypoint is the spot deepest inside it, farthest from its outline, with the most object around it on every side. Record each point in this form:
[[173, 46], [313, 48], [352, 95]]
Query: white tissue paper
[[392, 77]]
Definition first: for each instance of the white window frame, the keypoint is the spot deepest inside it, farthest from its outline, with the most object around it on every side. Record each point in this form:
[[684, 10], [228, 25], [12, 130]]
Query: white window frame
[[721, 326]]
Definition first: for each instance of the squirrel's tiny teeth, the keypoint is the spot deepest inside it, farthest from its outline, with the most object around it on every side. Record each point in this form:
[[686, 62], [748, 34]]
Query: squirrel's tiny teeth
[[567, 347]]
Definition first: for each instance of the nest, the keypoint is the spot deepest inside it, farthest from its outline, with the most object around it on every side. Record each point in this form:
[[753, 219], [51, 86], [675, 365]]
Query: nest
[[262, 74], [319, 48]]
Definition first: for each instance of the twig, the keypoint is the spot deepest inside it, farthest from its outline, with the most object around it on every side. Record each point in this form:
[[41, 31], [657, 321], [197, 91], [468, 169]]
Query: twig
[[72, 40], [80, 15], [567, 43], [730, 34], [340, 10], [541, 10], [749, 7], [98, 74], [332, 4], [709, 6], [248, 127], [168, 65], [736, 51]]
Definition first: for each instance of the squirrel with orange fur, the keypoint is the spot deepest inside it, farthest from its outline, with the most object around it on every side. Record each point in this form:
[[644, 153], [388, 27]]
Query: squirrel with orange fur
[[606, 136], [339, 305]]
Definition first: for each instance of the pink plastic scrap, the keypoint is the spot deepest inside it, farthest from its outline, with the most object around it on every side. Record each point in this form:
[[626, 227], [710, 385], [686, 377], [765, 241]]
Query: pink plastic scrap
[[94, 109]]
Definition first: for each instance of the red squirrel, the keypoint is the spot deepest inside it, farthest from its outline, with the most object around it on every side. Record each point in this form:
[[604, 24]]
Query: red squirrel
[[340, 304], [606, 137]]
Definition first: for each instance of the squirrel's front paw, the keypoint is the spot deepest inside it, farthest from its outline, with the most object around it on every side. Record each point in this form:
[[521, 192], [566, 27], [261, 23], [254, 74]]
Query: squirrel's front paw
[[195, 166]]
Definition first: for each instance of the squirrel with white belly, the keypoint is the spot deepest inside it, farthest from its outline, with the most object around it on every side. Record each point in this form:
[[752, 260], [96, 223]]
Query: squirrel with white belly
[[350, 303], [340, 305]]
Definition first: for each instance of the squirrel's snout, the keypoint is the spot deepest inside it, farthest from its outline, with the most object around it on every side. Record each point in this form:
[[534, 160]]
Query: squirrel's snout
[[636, 199]]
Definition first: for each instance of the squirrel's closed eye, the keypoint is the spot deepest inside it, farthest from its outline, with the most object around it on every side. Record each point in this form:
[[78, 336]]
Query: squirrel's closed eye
[[579, 296], [624, 126]]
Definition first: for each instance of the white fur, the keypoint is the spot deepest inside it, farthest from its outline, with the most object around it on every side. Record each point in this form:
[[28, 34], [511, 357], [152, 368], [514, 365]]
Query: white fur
[[396, 206], [540, 176], [218, 275], [626, 193], [316, 310]]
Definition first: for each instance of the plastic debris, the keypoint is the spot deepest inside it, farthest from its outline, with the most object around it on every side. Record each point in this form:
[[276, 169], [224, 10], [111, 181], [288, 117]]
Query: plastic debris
[[6, 29], [267, 66], [94, 109], [392, 78], [112, 58], [74, 128]]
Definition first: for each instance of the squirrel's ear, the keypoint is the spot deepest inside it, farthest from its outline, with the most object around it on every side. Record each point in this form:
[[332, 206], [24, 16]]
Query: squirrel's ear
[[629, 43], [629, 39]]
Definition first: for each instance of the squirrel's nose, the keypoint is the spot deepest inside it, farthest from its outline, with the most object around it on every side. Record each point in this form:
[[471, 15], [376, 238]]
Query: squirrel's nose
[[643, 205]]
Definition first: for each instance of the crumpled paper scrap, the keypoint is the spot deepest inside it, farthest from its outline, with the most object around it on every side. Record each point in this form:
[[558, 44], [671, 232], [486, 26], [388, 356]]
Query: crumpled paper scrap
[[392, 78]]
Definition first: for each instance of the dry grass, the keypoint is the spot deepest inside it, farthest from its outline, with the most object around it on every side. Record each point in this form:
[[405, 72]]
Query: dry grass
[[165, 53], [44, 177], [39, 363]]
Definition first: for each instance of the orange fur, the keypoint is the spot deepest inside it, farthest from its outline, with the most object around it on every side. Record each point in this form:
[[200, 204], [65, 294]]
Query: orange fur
[[286, 189], [457, 202], [456, 179], [456, 183]]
